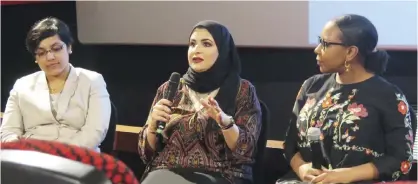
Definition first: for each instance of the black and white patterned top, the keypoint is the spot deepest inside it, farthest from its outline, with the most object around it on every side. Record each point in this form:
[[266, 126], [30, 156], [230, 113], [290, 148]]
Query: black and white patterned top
[[366, 122]]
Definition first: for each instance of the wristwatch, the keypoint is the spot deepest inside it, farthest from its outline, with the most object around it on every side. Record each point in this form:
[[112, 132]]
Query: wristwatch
[[230, 124]]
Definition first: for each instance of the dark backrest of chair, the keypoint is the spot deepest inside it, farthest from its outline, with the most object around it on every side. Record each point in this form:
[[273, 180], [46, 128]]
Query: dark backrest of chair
[[27, 167], [261, 144], [107, 146]]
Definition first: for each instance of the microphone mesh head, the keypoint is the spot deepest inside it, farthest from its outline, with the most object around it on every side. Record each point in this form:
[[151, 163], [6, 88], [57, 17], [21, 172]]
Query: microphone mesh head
[[175, 77], [314, 134]]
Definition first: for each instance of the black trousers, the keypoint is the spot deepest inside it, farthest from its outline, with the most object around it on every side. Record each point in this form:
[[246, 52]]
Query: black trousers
[[188, 176]]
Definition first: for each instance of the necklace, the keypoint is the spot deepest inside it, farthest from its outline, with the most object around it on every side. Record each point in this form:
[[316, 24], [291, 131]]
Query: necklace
[[61, 86], [54, 90]]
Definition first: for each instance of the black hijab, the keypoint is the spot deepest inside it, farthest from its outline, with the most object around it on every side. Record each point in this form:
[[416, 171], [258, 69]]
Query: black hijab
[[224, 73]]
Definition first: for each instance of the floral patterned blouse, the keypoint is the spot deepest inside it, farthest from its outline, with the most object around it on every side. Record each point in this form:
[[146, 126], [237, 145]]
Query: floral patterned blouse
[[360, 123], [197, 142]]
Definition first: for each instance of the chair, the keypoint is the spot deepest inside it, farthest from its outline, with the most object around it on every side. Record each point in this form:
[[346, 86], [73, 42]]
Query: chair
[[27, 167], [108, 144], [258, 172]]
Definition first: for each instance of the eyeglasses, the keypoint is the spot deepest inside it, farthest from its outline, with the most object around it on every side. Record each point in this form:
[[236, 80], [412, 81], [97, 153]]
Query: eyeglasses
[[54, 50], [326, 44]]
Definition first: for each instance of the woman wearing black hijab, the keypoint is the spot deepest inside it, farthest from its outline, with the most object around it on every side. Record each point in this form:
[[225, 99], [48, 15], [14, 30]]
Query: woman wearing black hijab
[[214, 120]]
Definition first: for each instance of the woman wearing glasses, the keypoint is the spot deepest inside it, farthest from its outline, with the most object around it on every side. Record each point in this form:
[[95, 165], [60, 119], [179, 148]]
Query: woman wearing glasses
[[60, 102], [364, 121]]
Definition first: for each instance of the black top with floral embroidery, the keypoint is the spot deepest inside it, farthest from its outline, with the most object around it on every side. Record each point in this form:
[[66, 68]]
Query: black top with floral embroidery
[[360, 123]]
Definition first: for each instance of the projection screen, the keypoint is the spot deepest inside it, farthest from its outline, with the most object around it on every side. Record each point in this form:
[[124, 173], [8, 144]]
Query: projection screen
[[252, 24]]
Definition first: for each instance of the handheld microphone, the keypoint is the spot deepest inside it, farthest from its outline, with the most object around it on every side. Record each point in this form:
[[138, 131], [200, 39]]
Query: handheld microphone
[[173, 84], [318, 153]]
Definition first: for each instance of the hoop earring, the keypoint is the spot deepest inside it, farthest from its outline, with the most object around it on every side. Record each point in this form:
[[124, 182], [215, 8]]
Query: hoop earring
[[347, 66]]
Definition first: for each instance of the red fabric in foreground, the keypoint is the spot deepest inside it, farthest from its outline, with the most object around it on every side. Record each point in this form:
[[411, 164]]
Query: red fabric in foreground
[[114, 169]]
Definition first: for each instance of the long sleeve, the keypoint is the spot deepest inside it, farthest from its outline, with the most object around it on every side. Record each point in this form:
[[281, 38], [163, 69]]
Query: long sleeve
[[248, 120], [396, 123], [144, 149], [12, 125], [98, 116], [291, 139]]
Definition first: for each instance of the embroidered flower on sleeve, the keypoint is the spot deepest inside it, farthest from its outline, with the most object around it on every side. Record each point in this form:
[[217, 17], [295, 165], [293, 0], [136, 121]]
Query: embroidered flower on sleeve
[[402, 108], [410, 137], [368, 151], [405, 167]]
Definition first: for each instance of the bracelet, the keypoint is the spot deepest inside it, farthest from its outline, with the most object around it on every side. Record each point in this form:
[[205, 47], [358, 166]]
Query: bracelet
[[227, 126], [230, 124]]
